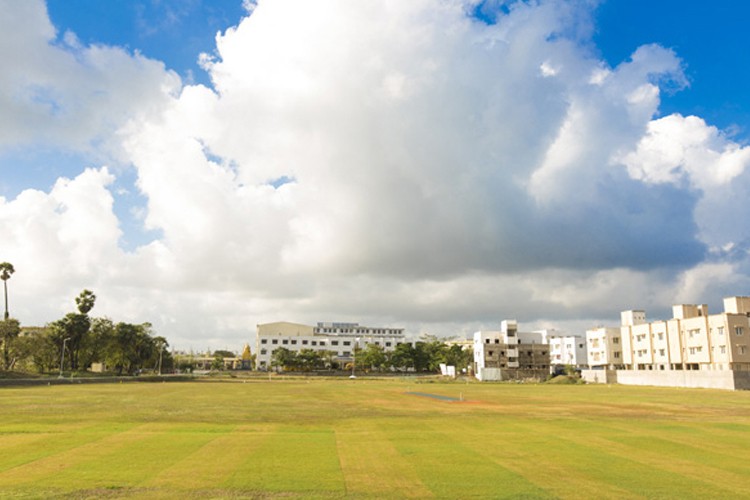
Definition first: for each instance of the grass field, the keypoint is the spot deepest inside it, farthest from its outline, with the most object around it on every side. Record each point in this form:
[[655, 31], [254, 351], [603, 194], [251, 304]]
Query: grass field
[[372, 439]]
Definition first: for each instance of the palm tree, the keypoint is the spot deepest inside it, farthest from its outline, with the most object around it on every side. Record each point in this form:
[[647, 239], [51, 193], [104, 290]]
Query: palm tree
[[6, 269], [85, 301]]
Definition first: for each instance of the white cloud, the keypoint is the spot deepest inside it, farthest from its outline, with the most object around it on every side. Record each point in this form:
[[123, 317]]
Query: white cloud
[[443, 172], [56, 92]]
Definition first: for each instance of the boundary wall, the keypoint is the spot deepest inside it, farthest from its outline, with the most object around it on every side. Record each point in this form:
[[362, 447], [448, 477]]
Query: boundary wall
[[728, 380]]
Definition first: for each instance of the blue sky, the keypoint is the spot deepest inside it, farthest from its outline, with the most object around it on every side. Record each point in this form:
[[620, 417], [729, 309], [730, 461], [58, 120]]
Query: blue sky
[[437, 174], [710, 39]]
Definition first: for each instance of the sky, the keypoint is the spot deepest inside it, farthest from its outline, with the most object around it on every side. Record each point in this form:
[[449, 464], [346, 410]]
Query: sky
[[433, 165]]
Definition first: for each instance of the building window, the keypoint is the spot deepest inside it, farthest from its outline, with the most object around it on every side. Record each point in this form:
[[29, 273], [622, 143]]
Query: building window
[[741, 349], [285, 342], [334, 342], [388, 344], [346, 342], [263, 341], [304, 342], [263, 352], [738, 330], [723, 349], [616, 340], [274, 341], [314, 342], [490, 353], [617, 354], [294, 342], [692, 350], [346, 353], [720, 330]]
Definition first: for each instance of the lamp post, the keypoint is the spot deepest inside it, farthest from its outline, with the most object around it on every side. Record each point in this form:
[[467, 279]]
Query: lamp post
[[161, 351], [354, 357], [62, 356]]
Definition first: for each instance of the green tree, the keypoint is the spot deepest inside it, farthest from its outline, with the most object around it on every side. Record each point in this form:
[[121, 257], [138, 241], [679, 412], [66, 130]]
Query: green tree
[[402, 357], [459, 357], [284, 358], [9, 330], [372, 357], [164, 360], [129, 348], [310, 359], [218, 362], [71, 331], [6, 270], [39, 350]]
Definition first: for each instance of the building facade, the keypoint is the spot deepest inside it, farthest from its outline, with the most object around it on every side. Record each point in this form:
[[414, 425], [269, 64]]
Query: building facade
[[692, 339], [336, 339], [604, 348], [509, 354], [567, 350]]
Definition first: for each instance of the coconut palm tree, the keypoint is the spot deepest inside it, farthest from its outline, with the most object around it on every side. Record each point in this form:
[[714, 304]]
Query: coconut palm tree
[[6, 269]]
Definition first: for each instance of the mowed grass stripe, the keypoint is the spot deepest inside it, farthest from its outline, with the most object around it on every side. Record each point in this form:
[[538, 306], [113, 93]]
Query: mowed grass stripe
[[450, 469], [294, 460], [509, 445], [122, 459], [705, 443], [215, 462], [367, 457], [20, 449], [654, 445], [135, 461], [79, 447], [641, 475]]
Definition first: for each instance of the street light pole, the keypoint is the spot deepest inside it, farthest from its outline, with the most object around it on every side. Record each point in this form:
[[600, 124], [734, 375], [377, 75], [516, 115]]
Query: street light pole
[[161, 351], [354, 356], [62, 356]]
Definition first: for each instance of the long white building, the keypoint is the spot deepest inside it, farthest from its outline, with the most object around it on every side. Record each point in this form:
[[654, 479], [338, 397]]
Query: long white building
[[339, 339]]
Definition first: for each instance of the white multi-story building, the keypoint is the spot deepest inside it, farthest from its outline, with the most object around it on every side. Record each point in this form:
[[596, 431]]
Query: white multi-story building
[[338, 339], [692, 340], [567, 350], [508, 353], [604, 349]]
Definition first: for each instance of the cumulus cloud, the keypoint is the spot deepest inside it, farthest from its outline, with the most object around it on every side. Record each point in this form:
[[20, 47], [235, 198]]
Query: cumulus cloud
[[387, 162], [56, 92]]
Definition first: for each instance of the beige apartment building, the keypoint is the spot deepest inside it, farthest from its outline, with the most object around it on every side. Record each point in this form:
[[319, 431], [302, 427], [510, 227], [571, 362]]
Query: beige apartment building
[[691, 349], [692, 339], [605, 350]]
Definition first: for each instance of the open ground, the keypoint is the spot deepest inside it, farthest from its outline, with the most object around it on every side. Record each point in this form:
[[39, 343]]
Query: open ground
[[368, 438]]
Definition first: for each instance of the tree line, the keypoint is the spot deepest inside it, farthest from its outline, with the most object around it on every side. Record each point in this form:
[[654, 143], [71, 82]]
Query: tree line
[[76, 341], [422, 356]]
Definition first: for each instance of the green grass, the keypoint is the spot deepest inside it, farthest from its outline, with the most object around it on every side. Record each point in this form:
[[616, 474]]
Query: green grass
[[368, 438]]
